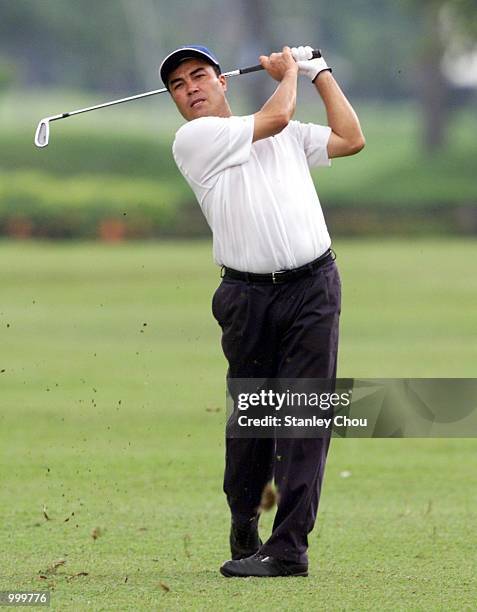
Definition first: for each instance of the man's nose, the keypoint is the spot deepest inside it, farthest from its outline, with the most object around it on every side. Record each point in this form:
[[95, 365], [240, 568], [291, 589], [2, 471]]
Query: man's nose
[[191, 87]]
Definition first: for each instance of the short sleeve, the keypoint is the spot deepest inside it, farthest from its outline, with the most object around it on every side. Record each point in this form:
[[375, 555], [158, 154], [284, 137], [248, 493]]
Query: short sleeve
[[314, 140], [207, 146]]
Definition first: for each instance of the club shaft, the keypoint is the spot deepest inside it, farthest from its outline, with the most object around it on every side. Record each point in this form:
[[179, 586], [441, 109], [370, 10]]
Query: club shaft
[[248, 69], [138, 96], [143, 95], [112, 103]]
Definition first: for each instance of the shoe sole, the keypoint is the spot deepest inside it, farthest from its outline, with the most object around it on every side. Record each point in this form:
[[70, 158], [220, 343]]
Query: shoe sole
[[227, 574]]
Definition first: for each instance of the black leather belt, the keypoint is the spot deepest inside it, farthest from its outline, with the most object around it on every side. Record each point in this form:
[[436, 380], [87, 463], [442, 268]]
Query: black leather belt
[[283, 276]]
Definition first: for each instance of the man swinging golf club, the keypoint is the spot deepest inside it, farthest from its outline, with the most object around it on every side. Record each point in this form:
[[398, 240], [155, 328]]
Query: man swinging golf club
[[279, 300]]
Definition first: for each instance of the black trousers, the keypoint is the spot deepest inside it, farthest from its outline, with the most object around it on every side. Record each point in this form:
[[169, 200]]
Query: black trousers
[[287, 330]]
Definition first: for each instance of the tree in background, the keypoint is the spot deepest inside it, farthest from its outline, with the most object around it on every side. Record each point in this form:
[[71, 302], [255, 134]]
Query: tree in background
[[395, 50], [441, 22], [143, 19], [255, 16], [6, 75]]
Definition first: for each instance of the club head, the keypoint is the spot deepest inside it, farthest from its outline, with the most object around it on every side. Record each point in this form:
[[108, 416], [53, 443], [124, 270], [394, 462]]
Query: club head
[[42, 134]]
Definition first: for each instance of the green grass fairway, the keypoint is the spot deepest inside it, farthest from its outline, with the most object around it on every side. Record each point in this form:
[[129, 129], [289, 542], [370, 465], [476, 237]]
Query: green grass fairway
[[112, 417]]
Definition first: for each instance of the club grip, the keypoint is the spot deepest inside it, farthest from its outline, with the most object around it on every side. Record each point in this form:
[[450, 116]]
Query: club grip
[[316, 53]]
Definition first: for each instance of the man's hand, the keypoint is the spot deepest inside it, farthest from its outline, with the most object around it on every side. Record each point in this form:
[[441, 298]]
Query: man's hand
[[306, 65], [278, 64]]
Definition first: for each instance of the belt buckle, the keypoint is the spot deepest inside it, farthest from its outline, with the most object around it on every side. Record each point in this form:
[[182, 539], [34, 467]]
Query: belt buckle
[[274, 274]]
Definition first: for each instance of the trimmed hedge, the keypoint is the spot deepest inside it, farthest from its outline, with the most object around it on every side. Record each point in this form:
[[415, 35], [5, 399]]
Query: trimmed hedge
[[41, 205]]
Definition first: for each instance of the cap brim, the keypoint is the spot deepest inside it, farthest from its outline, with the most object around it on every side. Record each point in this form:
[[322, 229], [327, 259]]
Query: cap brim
[[171, 62]]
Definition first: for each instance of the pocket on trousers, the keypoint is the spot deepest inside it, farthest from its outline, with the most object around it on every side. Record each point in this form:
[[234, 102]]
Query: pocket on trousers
[[215, 299], [220, 301], [228, 302], [333, 286]]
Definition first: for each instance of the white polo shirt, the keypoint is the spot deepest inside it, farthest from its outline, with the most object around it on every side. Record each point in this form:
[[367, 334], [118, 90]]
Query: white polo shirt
[[258, 198]]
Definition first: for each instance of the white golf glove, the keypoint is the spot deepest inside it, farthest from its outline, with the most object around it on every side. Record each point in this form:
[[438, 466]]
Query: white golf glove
[[306, 65]]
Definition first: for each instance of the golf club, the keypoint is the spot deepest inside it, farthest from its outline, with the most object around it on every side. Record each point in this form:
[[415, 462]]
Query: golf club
[[42, 134]]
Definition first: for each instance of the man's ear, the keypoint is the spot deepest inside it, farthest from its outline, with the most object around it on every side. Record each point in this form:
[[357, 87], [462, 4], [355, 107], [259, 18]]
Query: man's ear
[[223, 82]]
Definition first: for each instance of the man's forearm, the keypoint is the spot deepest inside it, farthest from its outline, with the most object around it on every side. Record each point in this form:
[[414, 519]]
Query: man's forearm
[[283, 100], [342, 118], [277, 111]]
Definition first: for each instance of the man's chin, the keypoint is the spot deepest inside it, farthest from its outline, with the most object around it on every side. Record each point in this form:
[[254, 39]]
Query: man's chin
[[196, 113]]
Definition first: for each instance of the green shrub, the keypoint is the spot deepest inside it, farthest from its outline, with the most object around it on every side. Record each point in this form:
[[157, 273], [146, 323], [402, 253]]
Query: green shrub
[[75, 206]]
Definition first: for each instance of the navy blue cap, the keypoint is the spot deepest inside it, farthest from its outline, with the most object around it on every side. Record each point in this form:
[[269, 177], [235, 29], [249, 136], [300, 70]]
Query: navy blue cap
[[171, 62]]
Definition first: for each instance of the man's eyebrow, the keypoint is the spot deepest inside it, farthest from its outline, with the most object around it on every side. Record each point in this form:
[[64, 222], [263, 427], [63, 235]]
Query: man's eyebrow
[[172, 81]]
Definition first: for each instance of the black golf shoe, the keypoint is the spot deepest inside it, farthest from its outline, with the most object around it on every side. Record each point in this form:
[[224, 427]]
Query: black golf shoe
[[262, 566], [244, 539]]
